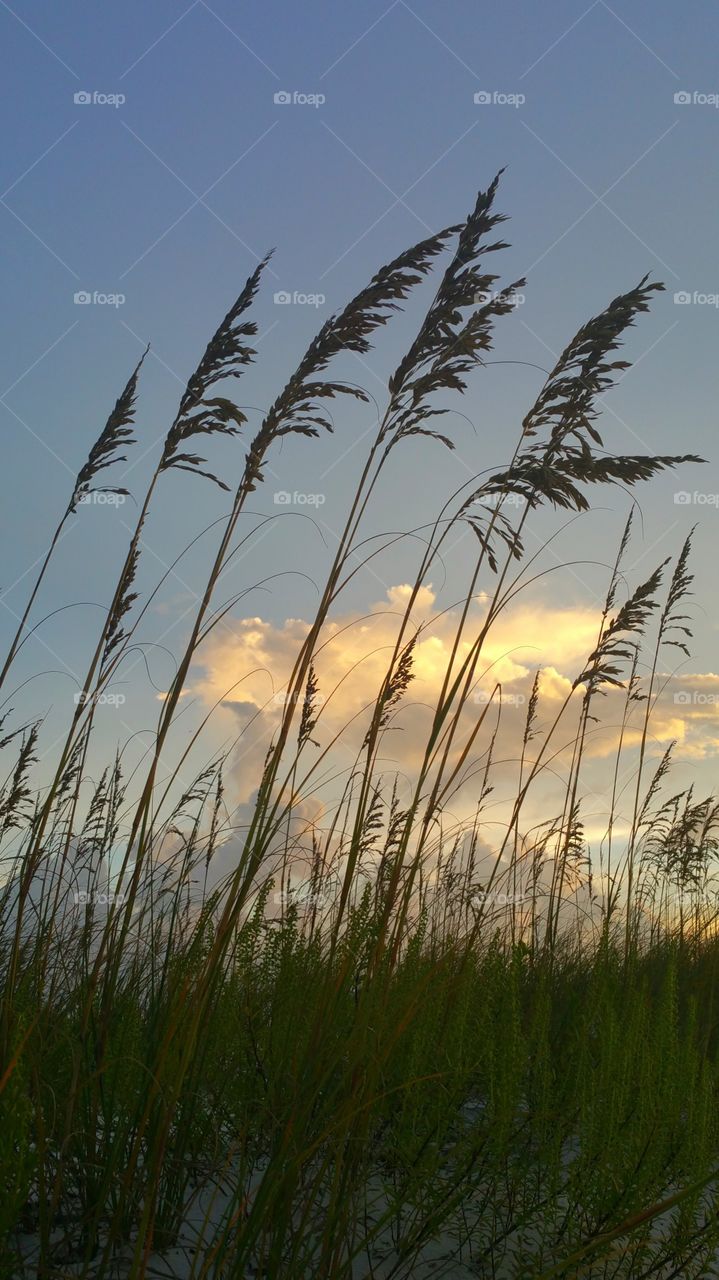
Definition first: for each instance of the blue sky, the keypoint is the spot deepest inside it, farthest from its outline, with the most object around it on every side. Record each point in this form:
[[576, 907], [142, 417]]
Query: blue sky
[[169, 198]]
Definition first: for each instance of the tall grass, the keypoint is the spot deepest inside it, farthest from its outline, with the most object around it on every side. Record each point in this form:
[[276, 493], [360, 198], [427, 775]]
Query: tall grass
[[395, 1043]]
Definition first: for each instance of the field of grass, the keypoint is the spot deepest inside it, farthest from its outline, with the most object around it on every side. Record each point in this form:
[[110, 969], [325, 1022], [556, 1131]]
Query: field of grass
[[369, 1048]]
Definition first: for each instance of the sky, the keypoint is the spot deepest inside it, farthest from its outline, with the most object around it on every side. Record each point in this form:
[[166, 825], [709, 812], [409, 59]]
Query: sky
[[153, 153]]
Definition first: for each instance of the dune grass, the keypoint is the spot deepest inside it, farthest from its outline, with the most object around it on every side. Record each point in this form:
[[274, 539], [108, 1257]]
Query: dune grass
[[369, 1049]]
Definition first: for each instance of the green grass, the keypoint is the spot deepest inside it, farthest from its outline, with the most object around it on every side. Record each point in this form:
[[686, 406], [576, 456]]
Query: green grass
[[520, 1109], [438, 1061]]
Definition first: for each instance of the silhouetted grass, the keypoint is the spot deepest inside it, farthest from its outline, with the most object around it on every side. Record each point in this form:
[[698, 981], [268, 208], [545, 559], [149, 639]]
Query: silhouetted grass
[[371, 1048]]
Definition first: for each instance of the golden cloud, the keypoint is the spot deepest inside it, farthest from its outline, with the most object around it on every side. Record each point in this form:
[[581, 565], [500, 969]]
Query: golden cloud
[[245, 667]]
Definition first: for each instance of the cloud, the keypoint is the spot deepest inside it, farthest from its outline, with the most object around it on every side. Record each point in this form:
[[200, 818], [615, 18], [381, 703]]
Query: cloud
[[245, 667]]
